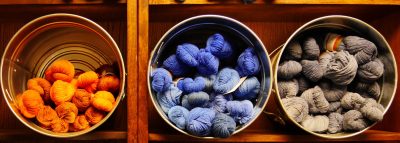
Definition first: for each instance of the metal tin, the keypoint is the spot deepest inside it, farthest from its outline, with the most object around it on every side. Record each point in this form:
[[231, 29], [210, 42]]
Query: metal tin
[[339, 23], [47, 39], [203, 26]]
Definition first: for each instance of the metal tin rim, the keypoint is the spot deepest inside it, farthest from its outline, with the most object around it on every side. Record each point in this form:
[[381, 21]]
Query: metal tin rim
[[120, 96], [298, 31], [160, 42]]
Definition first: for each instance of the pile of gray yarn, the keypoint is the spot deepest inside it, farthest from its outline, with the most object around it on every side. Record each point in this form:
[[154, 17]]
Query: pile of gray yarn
[[331, 91]]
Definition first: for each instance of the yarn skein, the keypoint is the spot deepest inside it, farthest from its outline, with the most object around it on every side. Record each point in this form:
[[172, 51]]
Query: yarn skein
[[354, 121], [249, 89], [293, 51], [240, 111], [289, 69], [331, 91], [288, 88], [324, 60], [198, 99], [335, 123], [372, 110], [169, 98], [371, 71], [176, 67], [317, 123], [362, 49], [161, 80], [188, 85], [296, 108], [218, 46], [316, 100], [342, 68], [352, 101], [179, 116], [207, 63], [372, 89], [223, 125], [200, 121], [218, 103], [187, 53], [248, 63], [303, 83], [311, 49], [312, 70], [226, 79]]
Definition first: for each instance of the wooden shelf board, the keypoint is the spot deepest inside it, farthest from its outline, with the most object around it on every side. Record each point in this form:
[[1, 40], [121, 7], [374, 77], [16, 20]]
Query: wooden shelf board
[[16, 134], [364, 2], [18, 2], [273, 136]]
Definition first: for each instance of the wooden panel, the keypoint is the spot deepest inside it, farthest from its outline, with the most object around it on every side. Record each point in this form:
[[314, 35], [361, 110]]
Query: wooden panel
[[274, 24], [114, 23], [4, 2], [367, 2]]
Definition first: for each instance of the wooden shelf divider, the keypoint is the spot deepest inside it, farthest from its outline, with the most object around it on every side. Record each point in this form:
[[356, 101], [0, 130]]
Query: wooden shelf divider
[[224, 2], [27, 134]]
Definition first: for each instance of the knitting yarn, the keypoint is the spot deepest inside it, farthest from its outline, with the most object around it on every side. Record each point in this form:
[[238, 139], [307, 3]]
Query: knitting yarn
[[324, 60], [335, 107], [209, 82], [249, 89], [176, 67], [161, 80], [223, 125], [187, 54], [240, 111], [373, 90], [316, 100], [188, 85], [293, 51], [198, 99], [317, 123], [208, 63], [218, 46], [331, 91], [296, 108], [288, 88], [362, 49], [29, 103], [335, 123], [179, 116], [352, 101], [342, 68], [60, 70], [200, 121], [372, 110], [312, 70], [226, 79], [371, 71], [248, 63], [354, 121], [169, 98], [185, 102], [218, 103], [289, 69], [42, 86], [311, 49], [303, 83]]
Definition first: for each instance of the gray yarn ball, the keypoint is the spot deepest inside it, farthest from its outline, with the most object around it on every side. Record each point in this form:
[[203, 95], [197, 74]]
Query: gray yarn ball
[[335, 123], [288, 88], [331, 91], [316, 100], [373, 90], [342, 68], [372, 110], [293, 51], [317, 123], [371, 71], [335, 107], [311, 49], [324, 60], [289, 69], [312, 70], [362, 49], [303, 83], [296, 108], [352, 101], [354, 121]]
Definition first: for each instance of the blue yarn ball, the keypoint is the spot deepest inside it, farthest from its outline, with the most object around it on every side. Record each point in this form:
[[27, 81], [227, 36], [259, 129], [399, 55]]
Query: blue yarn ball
[[218, 46], [240, 111], [187, 53], [248, 63], [226, 79], [200, 121], [209, 82], [249, 89], [185, 102], [198, 99], [188, 85], [161, 80], [219, 103], [176, 67], [223, 125], [208, 63], [169, 98], [179, 116]]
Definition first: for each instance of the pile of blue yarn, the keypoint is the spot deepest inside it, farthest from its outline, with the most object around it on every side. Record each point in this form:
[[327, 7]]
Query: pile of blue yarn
[[200, 104]]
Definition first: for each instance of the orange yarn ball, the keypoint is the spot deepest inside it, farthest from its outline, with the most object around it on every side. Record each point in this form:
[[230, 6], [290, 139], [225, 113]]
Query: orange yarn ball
[[88, 81], [93, 115], [61, 92], [46, 117], [103, 100], [67, 111], [109, 83], [60, 70], [29, 103], [82, 99], [42, 86]]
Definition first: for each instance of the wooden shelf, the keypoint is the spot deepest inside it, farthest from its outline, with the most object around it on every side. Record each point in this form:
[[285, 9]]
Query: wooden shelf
[[267, 2], [273, 136], [23, 2]]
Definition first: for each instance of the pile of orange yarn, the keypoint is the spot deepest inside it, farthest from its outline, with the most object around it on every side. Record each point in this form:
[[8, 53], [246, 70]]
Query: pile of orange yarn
[[67, 102]]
